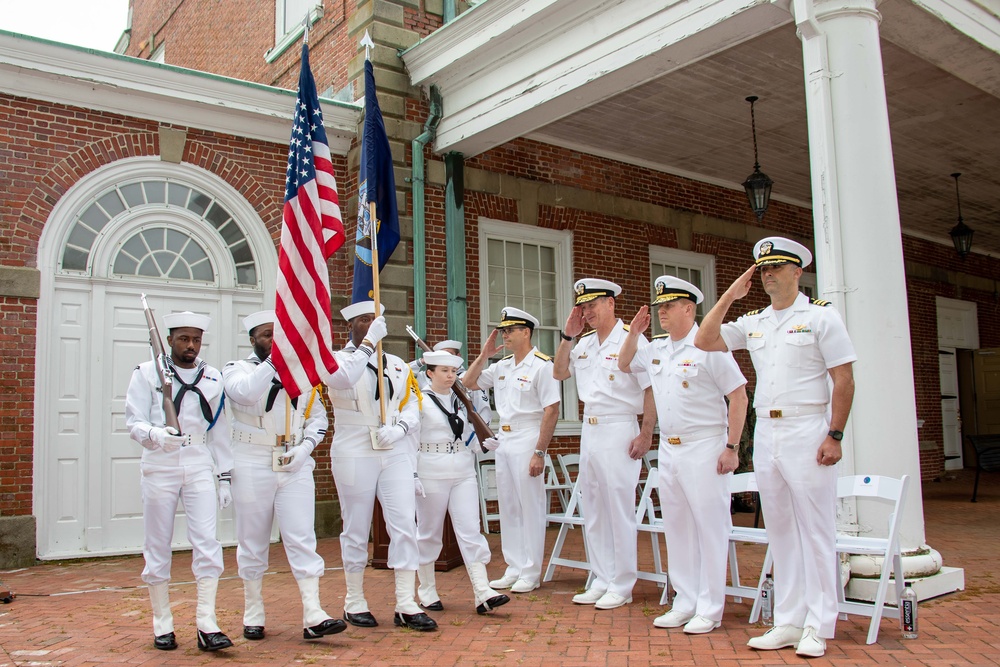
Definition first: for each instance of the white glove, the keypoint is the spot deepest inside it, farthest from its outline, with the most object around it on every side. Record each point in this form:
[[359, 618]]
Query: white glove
[[390, 435], [490, 444], [225, 494], [418, 486], [295, 458], [376, 330], [166, 439]]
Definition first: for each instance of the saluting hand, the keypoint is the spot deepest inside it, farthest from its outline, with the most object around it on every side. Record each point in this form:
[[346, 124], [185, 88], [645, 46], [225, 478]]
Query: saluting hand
[[490, 347], [640, 322], [574, 323], [741, 286]]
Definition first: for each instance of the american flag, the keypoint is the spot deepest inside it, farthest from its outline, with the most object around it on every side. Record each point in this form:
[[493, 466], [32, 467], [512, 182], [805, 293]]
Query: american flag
[[312, 230]]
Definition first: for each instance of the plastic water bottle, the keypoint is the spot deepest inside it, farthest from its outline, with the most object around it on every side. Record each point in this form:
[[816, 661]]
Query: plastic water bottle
[[767, 601], [908, 613]]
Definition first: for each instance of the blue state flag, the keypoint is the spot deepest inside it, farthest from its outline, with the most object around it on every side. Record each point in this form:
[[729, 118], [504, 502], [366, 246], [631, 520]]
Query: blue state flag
[[377, 184]]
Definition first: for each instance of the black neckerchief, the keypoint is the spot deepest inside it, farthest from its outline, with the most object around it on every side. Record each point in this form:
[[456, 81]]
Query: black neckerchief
[[276, 386], [378, 385], [206, 408], [454, 420]]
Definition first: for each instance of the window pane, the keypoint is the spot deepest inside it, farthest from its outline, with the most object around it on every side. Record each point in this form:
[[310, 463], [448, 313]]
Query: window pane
[[125, 265], [149, 268], [155, 238], [231, 232], [217, 215], [74, 260], [176, 241], [199, 202], [496, 280], [135, 247], [177, 194], [94, 218], [548, 285], [531, 257], [547, 257], [180, 271], [495, 252], [133, 195], [514, 283], [532, 284], [112, 203], [203, 271], [246, 275], [241, 253], [513, 255], [295, 11], [155, 192], [82, 237]]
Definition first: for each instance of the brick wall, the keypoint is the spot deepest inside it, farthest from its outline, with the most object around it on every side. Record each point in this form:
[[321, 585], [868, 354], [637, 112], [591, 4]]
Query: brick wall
[[44, 150]]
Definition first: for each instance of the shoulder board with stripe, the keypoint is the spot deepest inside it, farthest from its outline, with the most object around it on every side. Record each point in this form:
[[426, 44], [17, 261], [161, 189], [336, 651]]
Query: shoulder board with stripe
[[756, 312], [818, 302], [543, 356], [663, 335], [231, 363], [589, 333], [509, 356], [625, 327]]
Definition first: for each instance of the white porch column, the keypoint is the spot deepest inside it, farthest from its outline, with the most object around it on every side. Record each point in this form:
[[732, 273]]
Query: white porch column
[[859, 252]]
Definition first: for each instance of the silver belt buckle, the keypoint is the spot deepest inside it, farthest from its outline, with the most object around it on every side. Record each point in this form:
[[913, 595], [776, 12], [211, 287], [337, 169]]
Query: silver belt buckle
[[591, 420]]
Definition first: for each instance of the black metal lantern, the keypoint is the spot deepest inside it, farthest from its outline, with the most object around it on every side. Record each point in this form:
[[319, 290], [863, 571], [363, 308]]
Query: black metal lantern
[[961, 234], [757, 185]]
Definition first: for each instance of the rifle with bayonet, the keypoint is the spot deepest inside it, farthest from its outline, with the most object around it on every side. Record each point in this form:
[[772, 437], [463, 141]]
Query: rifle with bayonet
[[483, 430], [163, 369]]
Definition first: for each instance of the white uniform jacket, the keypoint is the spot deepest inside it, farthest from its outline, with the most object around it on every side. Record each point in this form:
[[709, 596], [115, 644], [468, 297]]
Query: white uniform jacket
[[603, 388], [523, 390], [144, 410]]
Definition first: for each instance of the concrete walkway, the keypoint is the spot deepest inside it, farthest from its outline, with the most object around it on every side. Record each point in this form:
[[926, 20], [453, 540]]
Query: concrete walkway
[[96, 612]]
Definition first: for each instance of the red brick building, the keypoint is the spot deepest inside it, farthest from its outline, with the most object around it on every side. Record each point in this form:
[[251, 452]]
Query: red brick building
[[534, 178]]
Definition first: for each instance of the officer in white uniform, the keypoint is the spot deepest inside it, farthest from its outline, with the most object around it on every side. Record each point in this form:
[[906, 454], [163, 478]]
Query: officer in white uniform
[[257, 405], [805, 385], [699, 445], [527, 400], [180, 467], [480, 400], [447, 469], [611, 443], [370, 460]]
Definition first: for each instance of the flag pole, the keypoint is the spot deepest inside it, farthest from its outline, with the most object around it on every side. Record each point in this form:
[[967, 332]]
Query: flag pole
[[288, 399], [377, 297]]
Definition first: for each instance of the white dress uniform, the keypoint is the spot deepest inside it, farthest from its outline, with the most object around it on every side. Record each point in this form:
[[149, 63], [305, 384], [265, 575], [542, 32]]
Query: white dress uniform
[[184, 475], [521, 392], [792, 352], [689, 386], [363, 473], [608, 476], [257, 403]]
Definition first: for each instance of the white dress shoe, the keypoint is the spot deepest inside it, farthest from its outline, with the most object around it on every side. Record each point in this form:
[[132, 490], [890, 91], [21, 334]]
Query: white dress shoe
[[780, 636], [612, 601], [506, 581], [699, 625], [672, 619], [524, 586], [590, 596], [811, 645]]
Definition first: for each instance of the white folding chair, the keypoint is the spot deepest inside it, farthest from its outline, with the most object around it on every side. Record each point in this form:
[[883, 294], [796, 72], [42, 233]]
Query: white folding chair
[[888, 490], [743, 483], [553, 485], [648, 520], [651, 459], [486, 473], [569, 464], [567, 520]]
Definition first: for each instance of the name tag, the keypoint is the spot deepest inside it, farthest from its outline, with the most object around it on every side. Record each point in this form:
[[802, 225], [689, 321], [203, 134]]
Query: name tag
[[755, 334], [656, 362]]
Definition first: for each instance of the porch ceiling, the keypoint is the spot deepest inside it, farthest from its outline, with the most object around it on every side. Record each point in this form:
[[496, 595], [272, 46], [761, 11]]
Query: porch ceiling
[[695, 122]]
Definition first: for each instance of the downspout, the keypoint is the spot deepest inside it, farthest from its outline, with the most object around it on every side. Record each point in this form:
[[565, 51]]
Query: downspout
[[448, 11], [418, 181], [454, 229]]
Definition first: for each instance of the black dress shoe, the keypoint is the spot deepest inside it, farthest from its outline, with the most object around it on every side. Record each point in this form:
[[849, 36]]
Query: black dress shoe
[[253, 632], [330, 626], [165, 642], [492, 603], [213, 641], [433, 606], [420, 622], [362, 619]]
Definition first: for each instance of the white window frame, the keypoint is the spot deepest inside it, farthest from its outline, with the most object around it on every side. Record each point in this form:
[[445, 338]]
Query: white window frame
[[562, 243], [688, 260], [285, 36], [159, 54], [808, 283]]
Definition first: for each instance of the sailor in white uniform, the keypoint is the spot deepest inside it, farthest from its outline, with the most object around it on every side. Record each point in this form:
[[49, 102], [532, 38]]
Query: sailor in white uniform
[[274, 479], [699, 445], [370, 459], [805, 386], [182, 467], [611, 442], [527, 400], [446, 466]]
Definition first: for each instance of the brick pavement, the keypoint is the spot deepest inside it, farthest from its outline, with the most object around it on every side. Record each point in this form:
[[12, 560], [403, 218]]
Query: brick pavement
[[94, 612]]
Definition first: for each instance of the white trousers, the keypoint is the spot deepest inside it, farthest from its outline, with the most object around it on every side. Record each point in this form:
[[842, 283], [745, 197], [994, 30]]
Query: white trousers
[[450, 484], [695, 500], [799, 500], [607, 479], [260, 494], [162, 487], [523, 505], [388, 477]]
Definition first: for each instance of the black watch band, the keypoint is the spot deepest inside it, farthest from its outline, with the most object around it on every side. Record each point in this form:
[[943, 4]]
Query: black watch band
[[562, 334], [836, 435]]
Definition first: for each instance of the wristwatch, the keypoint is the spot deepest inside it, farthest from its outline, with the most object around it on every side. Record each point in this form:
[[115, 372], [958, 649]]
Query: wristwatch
[[562, 334], [733, 447], [836, 435], [540, 453]]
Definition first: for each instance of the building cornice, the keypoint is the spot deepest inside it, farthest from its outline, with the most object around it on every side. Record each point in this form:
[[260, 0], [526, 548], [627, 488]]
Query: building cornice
[[64, 74]]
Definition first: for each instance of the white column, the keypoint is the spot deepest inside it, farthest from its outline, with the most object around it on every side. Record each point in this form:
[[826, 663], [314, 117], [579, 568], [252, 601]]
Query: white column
[[859, 251]]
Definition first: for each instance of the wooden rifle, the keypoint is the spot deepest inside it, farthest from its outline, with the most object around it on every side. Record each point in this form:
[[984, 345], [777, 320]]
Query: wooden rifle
[[163, 369]]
